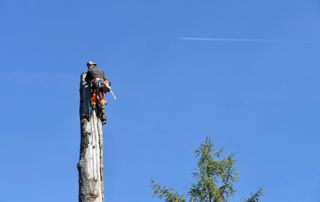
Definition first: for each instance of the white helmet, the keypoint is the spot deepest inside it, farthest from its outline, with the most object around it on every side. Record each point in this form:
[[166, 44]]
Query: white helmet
[[91, 63]]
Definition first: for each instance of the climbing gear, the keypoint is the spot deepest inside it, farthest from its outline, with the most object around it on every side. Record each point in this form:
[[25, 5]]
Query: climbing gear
[[103, 102], [97, 90], [97, 101]]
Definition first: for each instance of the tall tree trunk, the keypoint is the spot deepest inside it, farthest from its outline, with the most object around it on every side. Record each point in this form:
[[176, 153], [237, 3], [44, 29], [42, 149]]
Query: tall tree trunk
[[90, 166]]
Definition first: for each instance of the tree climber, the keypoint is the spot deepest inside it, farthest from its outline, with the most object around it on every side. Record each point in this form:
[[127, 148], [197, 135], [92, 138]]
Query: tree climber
[[99, 85]]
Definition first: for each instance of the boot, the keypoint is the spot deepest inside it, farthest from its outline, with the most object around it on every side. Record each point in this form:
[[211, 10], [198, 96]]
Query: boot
[[103, 118]]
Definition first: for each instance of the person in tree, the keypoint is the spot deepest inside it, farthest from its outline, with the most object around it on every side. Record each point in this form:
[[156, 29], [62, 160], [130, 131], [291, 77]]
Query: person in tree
[[99, 85]]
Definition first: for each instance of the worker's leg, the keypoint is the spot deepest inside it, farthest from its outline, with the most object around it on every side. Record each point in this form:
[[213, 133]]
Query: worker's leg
[[93, 97], [102, 100], [102, 104]]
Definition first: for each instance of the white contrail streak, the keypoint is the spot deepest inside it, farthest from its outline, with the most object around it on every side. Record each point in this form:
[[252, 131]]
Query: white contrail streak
[[238, 40]]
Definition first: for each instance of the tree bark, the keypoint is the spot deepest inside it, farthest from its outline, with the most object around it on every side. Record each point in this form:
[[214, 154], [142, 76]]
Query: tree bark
[[90, 166]]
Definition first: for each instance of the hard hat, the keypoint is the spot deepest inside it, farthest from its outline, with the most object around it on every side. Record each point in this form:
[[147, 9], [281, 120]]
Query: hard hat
[[91, 63]]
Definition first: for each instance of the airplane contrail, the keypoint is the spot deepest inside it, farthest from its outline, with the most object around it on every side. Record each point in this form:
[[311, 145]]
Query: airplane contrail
[[239, 40]]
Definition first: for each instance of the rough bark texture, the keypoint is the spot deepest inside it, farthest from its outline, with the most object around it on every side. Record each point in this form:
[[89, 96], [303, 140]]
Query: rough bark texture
[[90, 166]]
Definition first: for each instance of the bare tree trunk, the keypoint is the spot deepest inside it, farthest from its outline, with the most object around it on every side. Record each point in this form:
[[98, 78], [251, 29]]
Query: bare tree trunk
[[90, 166]]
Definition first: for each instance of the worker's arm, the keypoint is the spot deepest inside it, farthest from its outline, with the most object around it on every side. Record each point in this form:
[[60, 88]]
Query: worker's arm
[[89, 76]]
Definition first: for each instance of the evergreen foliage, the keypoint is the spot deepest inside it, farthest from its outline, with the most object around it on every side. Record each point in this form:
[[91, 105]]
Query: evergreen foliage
[[215, 176]]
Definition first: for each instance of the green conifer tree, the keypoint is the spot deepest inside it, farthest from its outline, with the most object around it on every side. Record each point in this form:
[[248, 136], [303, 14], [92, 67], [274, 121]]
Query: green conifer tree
[[215, 176]]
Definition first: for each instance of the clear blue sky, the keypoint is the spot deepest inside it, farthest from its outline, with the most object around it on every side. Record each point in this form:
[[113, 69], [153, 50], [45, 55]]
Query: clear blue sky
[[258, 100]]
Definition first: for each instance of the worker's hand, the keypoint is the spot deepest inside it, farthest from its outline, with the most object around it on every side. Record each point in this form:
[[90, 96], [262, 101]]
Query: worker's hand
[[106, 89], [107, 82]]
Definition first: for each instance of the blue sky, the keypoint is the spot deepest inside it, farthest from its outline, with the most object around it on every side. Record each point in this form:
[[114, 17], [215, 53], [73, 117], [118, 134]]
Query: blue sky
[[258, 100]]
